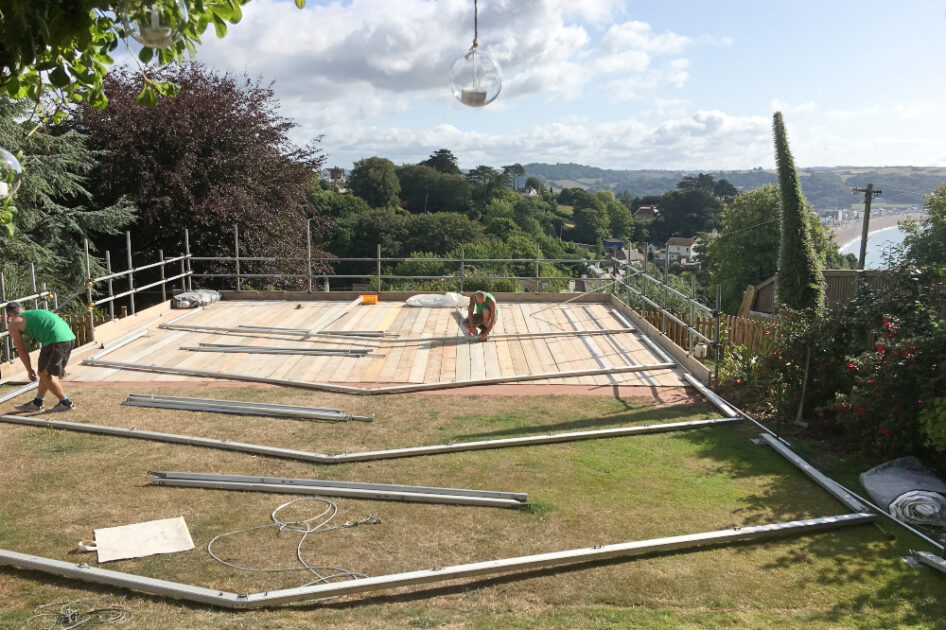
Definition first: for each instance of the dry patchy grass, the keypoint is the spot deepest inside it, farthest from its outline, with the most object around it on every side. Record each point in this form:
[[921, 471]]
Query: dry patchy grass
[[56, 487]]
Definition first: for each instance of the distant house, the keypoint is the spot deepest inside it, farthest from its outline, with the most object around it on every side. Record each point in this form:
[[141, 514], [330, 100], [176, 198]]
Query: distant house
[[615, 246], [529, 192], [680, 248], [646, 213], [336, 176]]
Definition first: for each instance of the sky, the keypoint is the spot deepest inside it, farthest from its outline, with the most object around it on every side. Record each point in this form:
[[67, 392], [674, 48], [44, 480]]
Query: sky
[[667, 84]]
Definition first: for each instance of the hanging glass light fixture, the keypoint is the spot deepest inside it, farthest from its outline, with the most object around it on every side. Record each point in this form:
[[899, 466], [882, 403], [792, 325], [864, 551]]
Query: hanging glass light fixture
[[11, 174], [476, 77], [154, 23]]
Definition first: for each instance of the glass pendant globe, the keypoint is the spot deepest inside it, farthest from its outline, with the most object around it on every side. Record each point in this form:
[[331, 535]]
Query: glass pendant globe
[[476, 79], [155, 23], [11, 174]]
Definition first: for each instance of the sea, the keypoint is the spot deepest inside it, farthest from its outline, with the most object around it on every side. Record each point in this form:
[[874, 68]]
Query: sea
[[880, 245]]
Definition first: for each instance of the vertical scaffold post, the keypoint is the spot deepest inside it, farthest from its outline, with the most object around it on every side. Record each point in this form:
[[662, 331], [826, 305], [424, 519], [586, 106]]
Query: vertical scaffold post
[[3, 298], [378, 260], [537, 252], [45, 295], [666, 292], [187, 255], [236, 253], [644, 282], [308, 249], [690, 337], [88, 289], [164, 291], [131, 273], [461, 268], [111, 293], [718, 314], [33, 284]]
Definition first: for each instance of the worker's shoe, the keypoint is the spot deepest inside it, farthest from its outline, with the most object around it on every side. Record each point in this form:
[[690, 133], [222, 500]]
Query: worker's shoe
[[64, 405], [29, 406]]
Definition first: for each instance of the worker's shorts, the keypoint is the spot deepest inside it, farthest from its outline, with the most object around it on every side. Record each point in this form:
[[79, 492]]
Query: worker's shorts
[[477, 322], [53, 357]]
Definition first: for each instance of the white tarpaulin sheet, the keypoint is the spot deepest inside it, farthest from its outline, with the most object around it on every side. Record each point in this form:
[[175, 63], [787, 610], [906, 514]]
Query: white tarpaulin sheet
[[168, 535]]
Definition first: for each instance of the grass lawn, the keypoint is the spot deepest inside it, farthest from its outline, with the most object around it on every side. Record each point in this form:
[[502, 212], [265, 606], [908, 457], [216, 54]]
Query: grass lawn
[[56, 487]]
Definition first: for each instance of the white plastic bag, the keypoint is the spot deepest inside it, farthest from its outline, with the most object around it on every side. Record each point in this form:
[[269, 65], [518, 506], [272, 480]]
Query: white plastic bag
[[447, 300]]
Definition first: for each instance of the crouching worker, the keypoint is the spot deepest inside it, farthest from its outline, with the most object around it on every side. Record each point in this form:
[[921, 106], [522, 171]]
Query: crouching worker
[[57, 338], [481, 314]]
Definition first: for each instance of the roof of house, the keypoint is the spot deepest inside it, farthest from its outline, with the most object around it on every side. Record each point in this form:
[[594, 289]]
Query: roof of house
[[646, 212], [679, 240]]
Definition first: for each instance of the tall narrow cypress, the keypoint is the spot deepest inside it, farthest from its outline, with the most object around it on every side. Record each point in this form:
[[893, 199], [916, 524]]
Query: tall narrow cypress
[[799, 273]]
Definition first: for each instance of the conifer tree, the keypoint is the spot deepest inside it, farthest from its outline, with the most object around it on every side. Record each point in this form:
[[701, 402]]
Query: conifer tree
[[55, 209], [799, 273]]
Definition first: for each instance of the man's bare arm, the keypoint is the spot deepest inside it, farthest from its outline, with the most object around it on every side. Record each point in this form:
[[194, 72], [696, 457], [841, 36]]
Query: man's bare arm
[[17, 336]]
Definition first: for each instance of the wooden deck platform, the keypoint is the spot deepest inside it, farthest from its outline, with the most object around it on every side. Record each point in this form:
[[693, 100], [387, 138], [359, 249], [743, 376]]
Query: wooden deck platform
[[396, 360]]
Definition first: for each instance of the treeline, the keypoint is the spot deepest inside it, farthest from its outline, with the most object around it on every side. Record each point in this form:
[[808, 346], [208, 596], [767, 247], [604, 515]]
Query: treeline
[[823, 187], [432, 210]]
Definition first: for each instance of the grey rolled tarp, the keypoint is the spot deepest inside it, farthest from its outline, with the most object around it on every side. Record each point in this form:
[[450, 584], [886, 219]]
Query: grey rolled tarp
[[908, 490]]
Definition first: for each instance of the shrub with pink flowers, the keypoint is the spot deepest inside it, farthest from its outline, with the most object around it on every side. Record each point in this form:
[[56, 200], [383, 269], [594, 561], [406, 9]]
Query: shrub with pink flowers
[[876, 369]]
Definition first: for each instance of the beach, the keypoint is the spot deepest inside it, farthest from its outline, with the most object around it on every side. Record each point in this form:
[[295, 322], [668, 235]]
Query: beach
[[850, 230]]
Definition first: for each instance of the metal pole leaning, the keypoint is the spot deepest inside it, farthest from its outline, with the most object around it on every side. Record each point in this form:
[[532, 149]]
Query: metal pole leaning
[[131, 273]]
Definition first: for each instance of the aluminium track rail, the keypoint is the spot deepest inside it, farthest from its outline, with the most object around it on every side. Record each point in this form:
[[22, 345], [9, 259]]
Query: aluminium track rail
[[596, 553], [241, 408], [384, 492], [322, 458]]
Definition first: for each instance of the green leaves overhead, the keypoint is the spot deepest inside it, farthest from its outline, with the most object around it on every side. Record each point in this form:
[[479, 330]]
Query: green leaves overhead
[[63, 49]]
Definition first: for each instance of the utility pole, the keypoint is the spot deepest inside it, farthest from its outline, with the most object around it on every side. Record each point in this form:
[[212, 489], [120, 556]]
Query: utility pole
[[869, 193]]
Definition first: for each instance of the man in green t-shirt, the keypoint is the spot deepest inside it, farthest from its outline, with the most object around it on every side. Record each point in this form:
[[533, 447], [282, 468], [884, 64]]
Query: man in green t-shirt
[[57, 338], [481, 313]]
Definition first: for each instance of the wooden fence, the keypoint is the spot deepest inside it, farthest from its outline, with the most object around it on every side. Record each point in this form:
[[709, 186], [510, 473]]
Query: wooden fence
[[754, 334]]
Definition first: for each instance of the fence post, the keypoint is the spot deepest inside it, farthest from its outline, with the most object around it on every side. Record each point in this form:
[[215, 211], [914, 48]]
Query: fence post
[[461, 268], [719, 302], [131, 273], [88, 289], [3, 298], [187, 254], [308, 247], [164, 292], [108, 270], [378, 259], [33, 284]]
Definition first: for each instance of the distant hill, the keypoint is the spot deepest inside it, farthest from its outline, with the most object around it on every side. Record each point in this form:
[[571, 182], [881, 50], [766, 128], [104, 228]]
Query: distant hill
[[824, 187]]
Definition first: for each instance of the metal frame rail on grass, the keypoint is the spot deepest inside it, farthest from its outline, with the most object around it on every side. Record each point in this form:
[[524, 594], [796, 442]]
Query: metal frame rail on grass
[[369, 391], [356, 490], [241, 408], [187, 592], [323, 458]]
